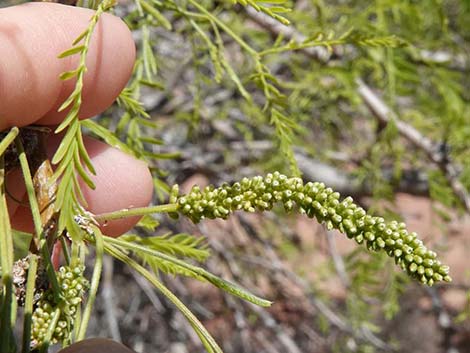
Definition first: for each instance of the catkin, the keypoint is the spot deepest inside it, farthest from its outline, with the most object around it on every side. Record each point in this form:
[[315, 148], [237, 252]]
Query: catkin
[[73, 285], [320, 202]]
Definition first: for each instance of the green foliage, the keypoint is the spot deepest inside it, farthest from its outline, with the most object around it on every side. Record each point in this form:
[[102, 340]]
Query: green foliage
[[330, 40], [273, 8], [71, 157], [173, 265], [185, 245], [7, 312], [210, 29]]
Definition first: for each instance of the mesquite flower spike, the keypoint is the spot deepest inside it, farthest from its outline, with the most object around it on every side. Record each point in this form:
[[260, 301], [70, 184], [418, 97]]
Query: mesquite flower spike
[[317, 200], [73, 285]]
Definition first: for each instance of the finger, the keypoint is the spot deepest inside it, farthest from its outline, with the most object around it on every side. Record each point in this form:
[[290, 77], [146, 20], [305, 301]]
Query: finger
[[31, 37], [97, 345], [121, 182]]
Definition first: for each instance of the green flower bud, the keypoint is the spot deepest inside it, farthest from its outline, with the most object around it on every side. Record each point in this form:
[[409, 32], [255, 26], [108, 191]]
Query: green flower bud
[[429, 272], [369, 236], [413, 267], [380, 242], [421, 270], [329, 225], [359, 238], [428, 263], [74, 286]]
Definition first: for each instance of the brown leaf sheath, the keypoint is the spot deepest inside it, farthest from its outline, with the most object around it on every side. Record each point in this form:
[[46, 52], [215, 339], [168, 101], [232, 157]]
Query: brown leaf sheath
[[45, 194]]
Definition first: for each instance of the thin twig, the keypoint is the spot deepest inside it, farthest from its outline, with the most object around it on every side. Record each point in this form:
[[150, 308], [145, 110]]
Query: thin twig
[[386, 115], [95, 280], [290, 33]]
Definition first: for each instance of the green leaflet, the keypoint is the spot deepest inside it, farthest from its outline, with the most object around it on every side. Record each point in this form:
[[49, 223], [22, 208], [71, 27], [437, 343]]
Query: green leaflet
[[185, 268], [182, 244]]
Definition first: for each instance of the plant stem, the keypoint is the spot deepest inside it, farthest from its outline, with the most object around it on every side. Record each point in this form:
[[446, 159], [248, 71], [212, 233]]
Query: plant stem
[[38, 227], [95, 281], [302, 46], [8, 139], [211, 278], [6, 243], [138, 211], [208, 341], [226, 29], [65, 250], [6, 262], [6, 324], [28, 306]]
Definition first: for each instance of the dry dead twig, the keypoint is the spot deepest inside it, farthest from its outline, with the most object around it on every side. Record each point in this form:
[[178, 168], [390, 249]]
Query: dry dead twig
[[382, 112]]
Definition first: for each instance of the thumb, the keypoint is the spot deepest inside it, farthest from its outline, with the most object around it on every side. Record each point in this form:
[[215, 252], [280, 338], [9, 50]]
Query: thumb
[[31, 37]]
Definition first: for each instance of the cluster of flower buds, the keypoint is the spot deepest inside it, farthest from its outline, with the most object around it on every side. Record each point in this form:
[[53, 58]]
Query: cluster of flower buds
[[317, 200], [73, 285]]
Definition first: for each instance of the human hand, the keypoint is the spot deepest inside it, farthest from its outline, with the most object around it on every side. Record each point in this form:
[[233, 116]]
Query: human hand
[[31, 37]]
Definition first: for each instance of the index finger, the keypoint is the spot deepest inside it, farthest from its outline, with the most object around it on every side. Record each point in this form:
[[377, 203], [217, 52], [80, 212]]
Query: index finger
[[31, 37]]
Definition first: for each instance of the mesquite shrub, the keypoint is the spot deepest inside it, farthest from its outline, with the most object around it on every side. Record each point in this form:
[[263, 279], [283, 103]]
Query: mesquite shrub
[[357, 86]]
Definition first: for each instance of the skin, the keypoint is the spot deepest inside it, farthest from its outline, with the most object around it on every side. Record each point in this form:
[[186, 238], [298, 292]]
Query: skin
[[31, 37], [97, 345]]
